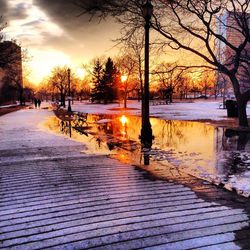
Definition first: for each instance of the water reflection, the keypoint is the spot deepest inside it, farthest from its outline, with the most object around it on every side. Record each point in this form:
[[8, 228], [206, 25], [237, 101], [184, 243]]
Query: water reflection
[[205, 151], [66, 127], [238, 139], [234, 159]]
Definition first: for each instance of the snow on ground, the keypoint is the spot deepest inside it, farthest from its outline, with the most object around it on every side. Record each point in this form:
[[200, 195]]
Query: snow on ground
[[26, 124], [197, 110], [201, 110], [8, 106]]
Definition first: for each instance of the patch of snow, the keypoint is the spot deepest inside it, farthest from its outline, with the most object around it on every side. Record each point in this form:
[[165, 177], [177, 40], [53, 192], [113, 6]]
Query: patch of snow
[[197, 110]]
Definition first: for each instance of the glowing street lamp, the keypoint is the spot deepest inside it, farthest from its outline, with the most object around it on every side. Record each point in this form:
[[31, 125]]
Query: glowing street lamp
[[146, 130], [124, 78]]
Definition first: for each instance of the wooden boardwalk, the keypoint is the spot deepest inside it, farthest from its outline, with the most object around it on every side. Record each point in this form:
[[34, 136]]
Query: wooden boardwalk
[[64, 200]]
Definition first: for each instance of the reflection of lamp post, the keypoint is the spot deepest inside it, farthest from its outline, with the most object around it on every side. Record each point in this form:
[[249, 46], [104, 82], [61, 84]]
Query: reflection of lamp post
[[69, 106], [146, 131], [124, 122]]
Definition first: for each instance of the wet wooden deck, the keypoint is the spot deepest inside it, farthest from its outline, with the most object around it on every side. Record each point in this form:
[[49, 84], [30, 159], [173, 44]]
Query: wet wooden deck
[[86, 202]]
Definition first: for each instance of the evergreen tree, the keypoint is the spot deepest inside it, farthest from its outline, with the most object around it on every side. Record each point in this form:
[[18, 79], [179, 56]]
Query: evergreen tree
[[97, 75], [109, 81]]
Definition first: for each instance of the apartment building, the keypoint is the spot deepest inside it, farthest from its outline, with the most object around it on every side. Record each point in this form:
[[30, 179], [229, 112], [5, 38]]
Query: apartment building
[[11, 80], [229, 28]]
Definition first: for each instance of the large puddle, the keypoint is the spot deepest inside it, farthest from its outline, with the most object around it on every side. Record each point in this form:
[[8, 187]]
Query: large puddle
[[215, 154]]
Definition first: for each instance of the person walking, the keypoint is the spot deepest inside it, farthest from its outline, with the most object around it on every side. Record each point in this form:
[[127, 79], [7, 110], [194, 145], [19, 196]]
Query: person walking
[[39, 103], [35, 102]]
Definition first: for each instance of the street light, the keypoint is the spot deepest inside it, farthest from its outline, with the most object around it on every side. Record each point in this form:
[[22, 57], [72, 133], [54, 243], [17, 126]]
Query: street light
[[146, 130], [69, 106], [124, 78]]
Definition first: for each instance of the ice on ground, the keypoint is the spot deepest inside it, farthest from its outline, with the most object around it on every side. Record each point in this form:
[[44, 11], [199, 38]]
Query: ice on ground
[[197, 110]]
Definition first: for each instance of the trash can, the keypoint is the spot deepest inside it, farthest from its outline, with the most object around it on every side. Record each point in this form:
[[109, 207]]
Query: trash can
[[232, 108]]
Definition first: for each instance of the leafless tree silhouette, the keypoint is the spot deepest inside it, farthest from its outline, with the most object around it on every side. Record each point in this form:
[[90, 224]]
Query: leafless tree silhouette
[[190, 25]]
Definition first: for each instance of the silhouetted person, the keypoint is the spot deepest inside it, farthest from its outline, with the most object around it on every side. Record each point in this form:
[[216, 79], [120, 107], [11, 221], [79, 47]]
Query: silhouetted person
[[35, 102], [39, 103]]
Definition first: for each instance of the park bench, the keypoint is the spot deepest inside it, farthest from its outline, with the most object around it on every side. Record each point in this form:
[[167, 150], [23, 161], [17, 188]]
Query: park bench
[[80, 119], [62, 114], [222, 105], [155, 102]]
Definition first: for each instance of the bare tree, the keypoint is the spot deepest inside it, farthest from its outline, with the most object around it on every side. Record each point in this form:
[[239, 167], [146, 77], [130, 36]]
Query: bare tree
[[13, 77], [83, 89], [199, 20], [135, 48], [127, 66], [169, 75], [59, 81], [190, 25]]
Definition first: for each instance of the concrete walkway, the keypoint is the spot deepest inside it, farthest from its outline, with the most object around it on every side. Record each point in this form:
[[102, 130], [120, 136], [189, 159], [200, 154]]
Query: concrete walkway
[[53, 196]]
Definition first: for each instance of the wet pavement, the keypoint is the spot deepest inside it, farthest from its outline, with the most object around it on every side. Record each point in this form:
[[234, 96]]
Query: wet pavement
[[56, 194], [216, 154]]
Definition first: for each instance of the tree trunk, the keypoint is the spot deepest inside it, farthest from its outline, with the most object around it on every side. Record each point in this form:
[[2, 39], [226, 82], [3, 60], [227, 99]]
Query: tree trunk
[[215, 91], [63, 100], [242, 112], [21, 96], [241, 102], [171, 97], [243, 139], [125, 100]]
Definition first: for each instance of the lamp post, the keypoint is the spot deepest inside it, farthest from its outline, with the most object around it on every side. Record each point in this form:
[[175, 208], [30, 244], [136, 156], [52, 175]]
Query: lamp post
[[146, 130], [124, 79], [69, 106]]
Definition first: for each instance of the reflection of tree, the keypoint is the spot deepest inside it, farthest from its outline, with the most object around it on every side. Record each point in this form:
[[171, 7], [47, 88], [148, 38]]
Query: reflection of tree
[[236, 159], [206, 130], [235, 163], [172, 133], [235, 139], [80, 120], [66, 127], [243, 140]]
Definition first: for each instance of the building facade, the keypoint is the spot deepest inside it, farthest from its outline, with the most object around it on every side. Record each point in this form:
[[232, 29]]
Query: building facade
[[229, 28], [11, 78]]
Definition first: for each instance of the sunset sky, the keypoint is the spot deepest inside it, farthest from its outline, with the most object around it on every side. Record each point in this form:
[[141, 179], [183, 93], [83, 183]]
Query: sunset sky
[[54, 35]]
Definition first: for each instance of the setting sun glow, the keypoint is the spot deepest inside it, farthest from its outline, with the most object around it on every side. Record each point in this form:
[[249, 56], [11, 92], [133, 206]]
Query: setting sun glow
[[44, 61], [81, 73]]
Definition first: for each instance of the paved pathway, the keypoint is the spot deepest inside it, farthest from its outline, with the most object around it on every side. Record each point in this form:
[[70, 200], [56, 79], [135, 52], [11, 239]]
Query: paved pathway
[[52, 196]]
